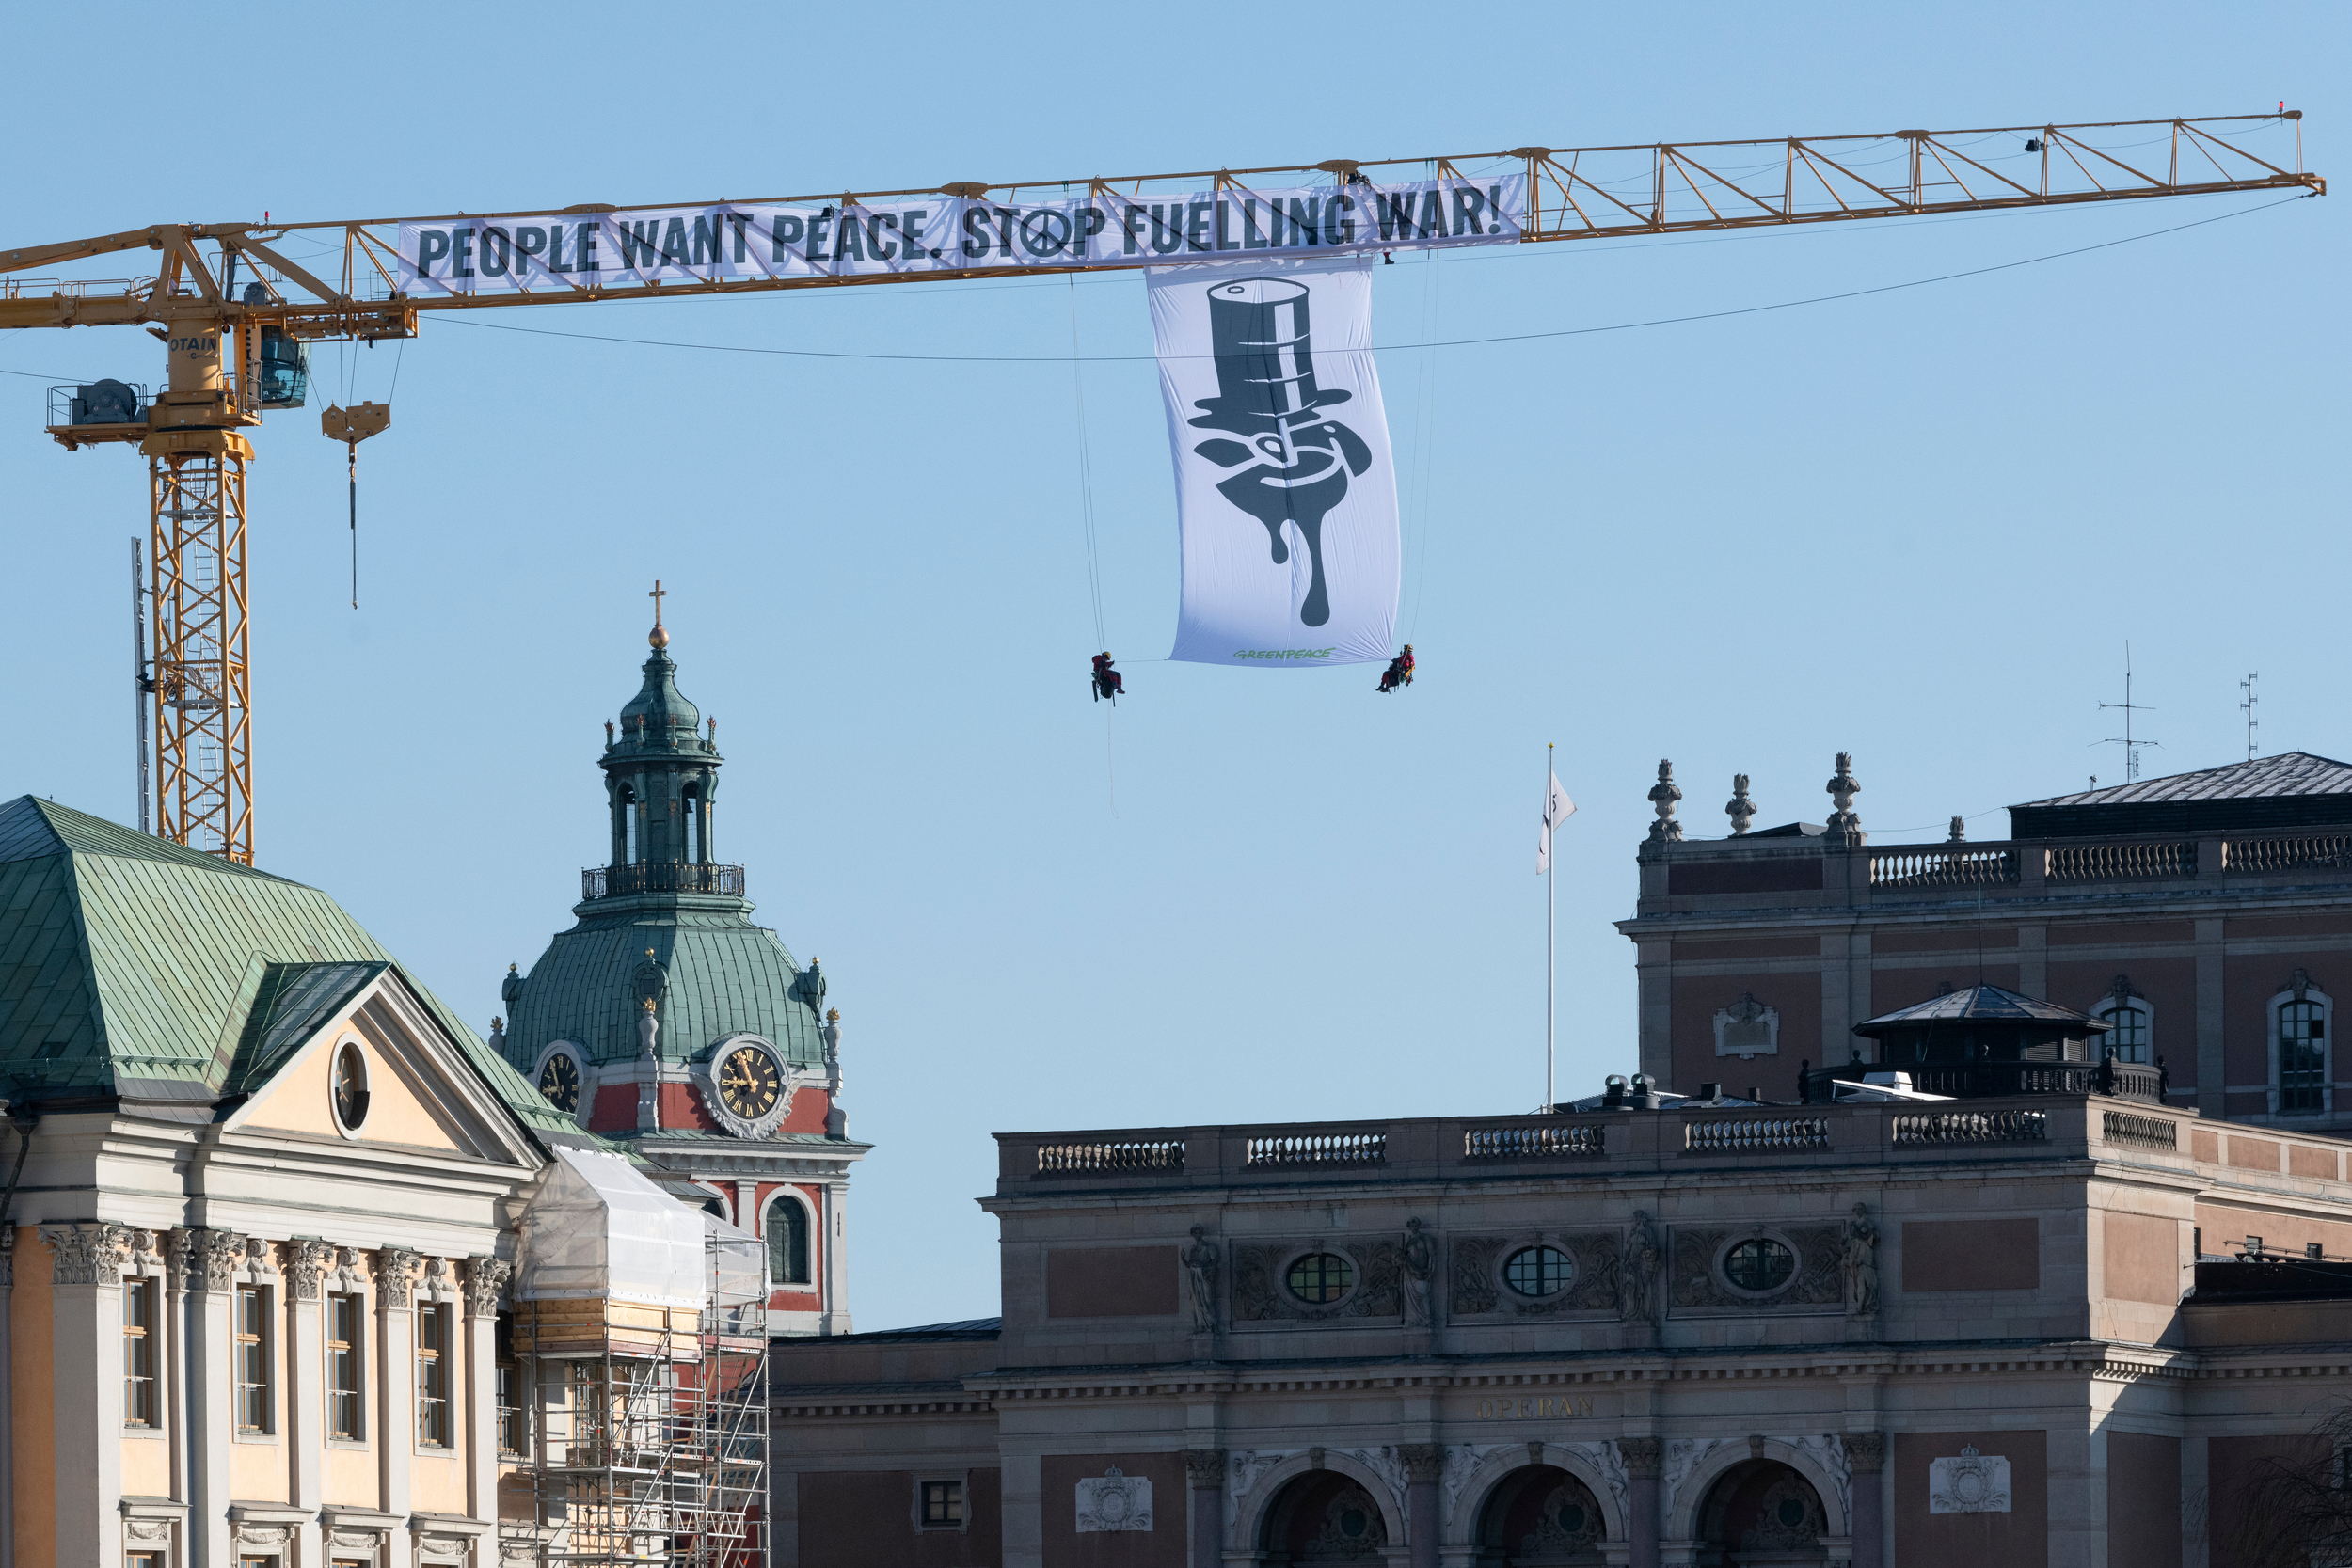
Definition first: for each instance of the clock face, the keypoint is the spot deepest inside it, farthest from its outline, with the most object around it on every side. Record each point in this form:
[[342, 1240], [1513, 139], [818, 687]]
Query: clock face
[[749, 1084], [559, 1080]]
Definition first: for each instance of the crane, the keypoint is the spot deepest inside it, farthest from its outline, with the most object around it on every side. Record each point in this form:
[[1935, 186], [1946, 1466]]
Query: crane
[[233, 355]]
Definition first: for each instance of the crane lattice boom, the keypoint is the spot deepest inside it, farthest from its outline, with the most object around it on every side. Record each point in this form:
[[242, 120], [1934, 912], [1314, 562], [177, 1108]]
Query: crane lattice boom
[[359, 287]]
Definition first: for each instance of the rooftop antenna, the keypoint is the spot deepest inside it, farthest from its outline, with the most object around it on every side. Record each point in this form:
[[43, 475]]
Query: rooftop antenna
[[2247, 708], [2131, 747]]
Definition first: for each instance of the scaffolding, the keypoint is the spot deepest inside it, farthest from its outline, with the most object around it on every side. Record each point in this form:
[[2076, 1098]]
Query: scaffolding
[[649, 1415]]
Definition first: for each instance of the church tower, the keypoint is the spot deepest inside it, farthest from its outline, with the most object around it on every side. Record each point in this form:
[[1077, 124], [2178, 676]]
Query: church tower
[[665, 1019]]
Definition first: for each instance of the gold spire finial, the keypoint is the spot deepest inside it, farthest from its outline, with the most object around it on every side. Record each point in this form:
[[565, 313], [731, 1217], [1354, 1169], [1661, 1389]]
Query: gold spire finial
[[657, 637]]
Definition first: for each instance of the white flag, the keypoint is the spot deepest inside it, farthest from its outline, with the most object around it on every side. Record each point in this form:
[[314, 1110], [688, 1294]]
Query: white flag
[[1285, 494], [1558, 808]]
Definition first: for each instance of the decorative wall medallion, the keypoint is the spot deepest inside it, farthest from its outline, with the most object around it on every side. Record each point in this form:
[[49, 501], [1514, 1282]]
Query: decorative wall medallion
[[747, 1085], [1698, 1283], [1747, 1029], [1114, 1500], [1260, 1294], [1972, 1483]]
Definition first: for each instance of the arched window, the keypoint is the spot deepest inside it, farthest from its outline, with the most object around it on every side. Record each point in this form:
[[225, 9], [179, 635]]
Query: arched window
[[787, 1242], [2302, 1055], [2127, 1037]]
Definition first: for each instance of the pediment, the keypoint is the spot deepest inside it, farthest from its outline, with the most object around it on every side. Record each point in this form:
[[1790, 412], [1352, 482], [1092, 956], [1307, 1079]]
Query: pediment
[[418, 1093]]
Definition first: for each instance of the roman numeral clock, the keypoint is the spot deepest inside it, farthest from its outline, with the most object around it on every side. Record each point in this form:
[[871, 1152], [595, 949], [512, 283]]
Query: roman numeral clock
[[747, 1085]]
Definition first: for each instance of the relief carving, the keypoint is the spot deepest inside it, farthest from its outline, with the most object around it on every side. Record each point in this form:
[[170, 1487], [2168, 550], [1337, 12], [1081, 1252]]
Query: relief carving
[[1259, 1295], [85, 1254], [485, 1278], [1596, 1284], [1819, 1279], [392, 1266], [1474, 1275]]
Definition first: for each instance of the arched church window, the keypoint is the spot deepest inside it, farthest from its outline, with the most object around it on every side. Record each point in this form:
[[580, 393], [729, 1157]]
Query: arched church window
[[787, 1243]]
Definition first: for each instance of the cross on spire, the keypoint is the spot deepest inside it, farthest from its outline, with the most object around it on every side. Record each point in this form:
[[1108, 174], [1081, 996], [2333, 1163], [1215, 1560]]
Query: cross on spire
[[659, 636]]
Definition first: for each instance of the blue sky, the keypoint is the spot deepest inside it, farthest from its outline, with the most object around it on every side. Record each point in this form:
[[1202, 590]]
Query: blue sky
[[1917, 526]]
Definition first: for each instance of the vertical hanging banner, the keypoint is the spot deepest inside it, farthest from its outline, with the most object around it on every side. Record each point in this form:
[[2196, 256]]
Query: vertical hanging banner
[[1286, 491]]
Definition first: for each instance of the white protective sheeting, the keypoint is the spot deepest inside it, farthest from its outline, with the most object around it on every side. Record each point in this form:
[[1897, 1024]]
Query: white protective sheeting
[[1285, 488], [600, 1228], [558, 253], [740, 1261]]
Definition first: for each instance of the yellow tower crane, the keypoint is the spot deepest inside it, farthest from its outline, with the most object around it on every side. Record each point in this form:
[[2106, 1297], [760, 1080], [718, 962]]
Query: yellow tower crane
[[232, 354]]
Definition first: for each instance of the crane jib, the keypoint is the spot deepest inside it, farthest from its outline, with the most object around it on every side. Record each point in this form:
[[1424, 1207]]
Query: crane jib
[[744, 242]]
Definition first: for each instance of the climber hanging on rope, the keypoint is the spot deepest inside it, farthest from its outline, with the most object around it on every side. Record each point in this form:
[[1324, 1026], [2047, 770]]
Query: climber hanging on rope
[[1107, 682], [1399, 673]]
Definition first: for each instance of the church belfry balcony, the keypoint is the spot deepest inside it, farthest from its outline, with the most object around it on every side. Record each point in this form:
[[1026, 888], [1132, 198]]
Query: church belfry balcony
[[661, 783]]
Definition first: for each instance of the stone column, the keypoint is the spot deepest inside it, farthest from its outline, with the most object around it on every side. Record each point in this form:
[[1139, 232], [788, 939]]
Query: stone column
[[1424, 1462], [1644, 1458], [208, 1262], [396, 1373], [86, 1427], [485, 1278], [1866, 1452], [1205, 1469]]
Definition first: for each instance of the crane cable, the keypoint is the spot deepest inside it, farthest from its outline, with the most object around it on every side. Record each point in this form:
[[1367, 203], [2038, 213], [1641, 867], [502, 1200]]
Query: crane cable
[[1086, 514]]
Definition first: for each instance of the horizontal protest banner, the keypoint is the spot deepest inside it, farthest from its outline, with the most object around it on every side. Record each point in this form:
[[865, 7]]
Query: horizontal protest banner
[[746, 241]]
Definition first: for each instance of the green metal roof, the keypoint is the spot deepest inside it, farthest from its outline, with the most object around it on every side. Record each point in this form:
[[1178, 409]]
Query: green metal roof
[[713, 973], [132, 965]]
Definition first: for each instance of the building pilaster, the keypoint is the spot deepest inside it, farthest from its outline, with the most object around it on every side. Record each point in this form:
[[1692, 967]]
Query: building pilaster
[[85, 1434], [1865, 1455], [1423, 1463], [2213, 1099], [1205, 1469], [8, 1400], [1644, 1458], [306, 1262], [396, 1373], [835, 1215], [208, 1262], [485, 1278]]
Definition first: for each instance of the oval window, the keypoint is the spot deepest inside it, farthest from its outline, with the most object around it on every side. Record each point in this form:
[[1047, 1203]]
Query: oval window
[[351, 1086], [1538, 1271], [1320, 1278], [1759, 1263]]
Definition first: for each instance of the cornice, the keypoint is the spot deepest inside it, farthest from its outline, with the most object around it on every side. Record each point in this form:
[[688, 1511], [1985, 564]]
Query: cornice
[[2184, 903], [2100, 1361]]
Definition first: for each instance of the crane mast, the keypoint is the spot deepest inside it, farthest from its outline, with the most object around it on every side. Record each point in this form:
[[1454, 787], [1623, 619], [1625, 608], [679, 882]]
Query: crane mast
[[232, 354]]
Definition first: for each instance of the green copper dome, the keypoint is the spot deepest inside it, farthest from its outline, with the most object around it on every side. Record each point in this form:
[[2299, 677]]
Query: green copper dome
[[662, 921]]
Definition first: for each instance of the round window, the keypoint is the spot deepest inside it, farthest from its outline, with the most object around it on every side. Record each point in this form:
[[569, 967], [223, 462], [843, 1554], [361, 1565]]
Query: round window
[[1320, 1278], [1759, 1263], [1571, 1518], [351, 1086], [1353, 1522], [1538, 1271]]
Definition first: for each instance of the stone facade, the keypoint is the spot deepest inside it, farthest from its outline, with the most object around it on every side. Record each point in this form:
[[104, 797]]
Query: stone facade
[[1963, 1319], [2204, 904]]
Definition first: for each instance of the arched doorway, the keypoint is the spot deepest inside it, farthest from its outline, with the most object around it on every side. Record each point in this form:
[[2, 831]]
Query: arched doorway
[[1760, 1512], [1539, 1517], [1323, 1517]]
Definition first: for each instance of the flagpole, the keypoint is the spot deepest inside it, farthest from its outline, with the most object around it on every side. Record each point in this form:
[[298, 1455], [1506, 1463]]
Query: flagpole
[[1551, 874]]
